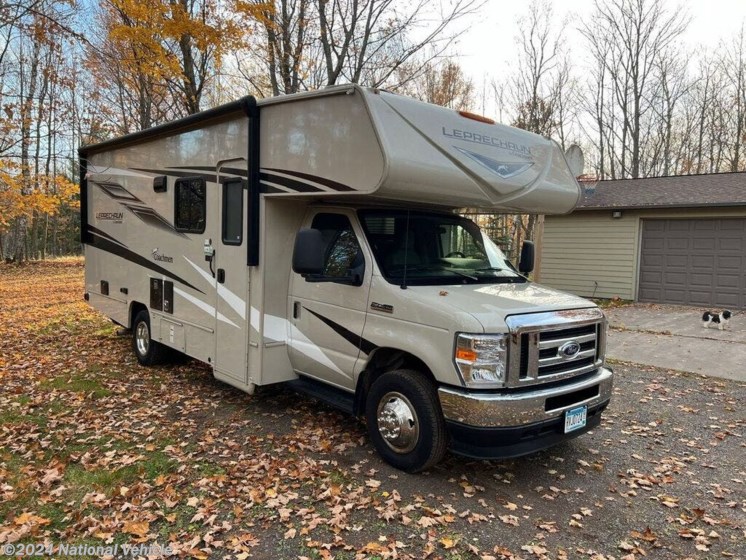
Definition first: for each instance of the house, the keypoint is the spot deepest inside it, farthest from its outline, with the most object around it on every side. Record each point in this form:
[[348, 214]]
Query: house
[[679, 240]]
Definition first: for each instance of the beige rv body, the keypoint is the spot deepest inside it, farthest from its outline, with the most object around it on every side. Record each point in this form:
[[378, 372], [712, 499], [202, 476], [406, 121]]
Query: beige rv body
[[221, 288]]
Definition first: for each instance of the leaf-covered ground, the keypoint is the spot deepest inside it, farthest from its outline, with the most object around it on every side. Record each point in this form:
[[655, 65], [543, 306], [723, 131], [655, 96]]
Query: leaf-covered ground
[[95, 449]]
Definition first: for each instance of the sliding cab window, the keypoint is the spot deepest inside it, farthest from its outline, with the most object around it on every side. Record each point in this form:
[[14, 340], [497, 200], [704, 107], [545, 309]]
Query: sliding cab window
[[233, 211], [191, 209]]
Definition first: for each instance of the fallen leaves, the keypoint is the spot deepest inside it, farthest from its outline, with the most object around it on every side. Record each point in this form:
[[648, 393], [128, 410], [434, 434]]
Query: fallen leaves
[[509, 520], [94, 445], [137, 528], [30, 519]]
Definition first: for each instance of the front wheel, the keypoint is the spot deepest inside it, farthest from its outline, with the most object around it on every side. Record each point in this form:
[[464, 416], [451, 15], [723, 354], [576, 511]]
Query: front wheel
[[405, 422], [148, 351]]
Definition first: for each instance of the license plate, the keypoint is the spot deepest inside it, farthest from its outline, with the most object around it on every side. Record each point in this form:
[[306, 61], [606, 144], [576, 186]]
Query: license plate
[[575, 418]]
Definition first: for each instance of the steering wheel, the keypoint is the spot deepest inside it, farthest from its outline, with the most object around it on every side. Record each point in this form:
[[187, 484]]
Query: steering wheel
[[455, 254]]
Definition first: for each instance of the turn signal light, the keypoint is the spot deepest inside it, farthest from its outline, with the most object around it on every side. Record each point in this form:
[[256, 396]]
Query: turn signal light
[[467, 355]]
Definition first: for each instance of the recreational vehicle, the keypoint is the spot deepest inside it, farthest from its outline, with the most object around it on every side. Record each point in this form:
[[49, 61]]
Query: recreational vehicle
[[314, 240]]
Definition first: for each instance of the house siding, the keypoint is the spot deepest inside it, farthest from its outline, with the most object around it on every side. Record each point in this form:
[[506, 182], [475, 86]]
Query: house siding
[[591, 254]]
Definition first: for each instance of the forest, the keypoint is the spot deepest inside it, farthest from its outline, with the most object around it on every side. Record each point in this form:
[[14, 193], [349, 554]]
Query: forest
[[75, 72]]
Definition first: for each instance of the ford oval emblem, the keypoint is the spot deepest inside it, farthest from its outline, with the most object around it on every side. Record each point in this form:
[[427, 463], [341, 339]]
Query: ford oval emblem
[[569, 350]]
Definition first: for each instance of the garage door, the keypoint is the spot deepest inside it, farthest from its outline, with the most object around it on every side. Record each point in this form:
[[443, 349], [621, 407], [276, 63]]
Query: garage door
[[694, 262]]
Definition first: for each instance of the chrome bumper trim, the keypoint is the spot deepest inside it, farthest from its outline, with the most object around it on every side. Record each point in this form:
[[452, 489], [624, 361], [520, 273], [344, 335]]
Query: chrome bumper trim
[[490, 410]]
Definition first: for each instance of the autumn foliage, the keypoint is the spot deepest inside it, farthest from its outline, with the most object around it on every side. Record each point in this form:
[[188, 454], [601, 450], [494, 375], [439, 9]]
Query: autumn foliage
[[48, 195]]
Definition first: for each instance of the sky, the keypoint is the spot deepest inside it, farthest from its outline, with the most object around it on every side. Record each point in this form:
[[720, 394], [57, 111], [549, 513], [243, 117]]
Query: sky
[[486, 49]]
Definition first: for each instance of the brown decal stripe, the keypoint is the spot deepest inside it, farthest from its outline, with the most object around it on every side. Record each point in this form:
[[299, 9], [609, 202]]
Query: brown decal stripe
[[355, 339], [172, 173], [269, 189], [320, 180], [116, 191], [100, 233], [138, 208], [292, 184], [153, 218], [183, 174], [231, 170], [110, 245]]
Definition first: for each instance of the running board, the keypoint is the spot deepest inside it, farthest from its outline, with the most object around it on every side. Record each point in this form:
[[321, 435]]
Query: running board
[[337, 398]]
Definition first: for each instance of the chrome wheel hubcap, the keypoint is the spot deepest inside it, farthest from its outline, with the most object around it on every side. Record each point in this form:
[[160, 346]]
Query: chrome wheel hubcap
[[142, 338], [397, 422]]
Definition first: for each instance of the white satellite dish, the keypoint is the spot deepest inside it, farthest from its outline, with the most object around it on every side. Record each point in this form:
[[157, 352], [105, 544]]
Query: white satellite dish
[[575, 159]]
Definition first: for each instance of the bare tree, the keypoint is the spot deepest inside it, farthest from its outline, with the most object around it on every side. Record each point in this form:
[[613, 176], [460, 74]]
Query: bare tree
[[316, 43], [500, 94], [734, 69], [539, 89], [596, 106], [630, 34], [672, 85], [538, 59]]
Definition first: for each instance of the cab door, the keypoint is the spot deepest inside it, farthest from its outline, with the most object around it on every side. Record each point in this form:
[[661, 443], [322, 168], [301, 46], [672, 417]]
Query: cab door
[[328, 311], [232, 282]]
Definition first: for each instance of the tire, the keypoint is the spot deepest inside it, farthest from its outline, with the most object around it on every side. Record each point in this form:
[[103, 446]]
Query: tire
[[405, 422], [148, 351]]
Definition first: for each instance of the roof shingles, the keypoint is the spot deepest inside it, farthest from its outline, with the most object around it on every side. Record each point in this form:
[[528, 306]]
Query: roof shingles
[[719, 189]]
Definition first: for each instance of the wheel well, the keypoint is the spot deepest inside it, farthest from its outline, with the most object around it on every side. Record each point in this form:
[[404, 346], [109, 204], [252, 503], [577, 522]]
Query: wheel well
[[135, 308], [384, 360]]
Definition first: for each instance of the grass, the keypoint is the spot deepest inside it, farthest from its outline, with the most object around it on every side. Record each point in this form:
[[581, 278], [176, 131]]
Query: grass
[[81, 481], [78, 383], [17, 416], [339, 478], [208, 469], [179, 520], [155, 464]]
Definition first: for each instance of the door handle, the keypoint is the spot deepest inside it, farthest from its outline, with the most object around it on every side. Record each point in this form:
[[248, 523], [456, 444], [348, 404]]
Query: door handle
[[221, 275], [296, 309]]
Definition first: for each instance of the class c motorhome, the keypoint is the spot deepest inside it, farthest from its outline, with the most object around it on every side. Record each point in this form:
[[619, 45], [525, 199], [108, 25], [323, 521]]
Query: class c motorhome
[[313, 240]]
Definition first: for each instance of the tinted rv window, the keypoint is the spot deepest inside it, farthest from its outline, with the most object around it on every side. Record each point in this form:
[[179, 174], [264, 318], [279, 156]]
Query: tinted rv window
[[233, 212], [190, 205]]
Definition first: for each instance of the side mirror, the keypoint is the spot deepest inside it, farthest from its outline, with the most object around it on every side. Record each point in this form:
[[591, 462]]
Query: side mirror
[[308, 253], [526, 264]]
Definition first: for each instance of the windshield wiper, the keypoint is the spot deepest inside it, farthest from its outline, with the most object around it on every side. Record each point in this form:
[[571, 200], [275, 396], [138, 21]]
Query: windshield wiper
[[431, 267], [460, 273], [489, 269], [412, 267]]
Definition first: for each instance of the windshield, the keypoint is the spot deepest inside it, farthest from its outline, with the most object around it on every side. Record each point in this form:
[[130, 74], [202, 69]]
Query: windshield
[[434, 249]]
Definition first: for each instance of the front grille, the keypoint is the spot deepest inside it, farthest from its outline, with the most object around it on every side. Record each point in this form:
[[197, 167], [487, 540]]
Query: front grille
[[536, 354], [553, 362]]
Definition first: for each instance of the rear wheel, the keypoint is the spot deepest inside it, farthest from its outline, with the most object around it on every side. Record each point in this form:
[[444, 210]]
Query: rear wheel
[[405, 422], [148, 351]]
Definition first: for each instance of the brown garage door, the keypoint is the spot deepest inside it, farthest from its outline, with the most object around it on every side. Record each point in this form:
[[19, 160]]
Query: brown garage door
[[694, 262]]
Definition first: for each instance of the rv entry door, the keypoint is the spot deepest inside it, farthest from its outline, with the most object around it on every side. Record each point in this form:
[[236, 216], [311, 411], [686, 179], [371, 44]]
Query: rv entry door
[[232, 280]]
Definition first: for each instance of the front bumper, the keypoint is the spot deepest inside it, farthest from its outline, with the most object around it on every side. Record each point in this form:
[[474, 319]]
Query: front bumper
[[502, 425]]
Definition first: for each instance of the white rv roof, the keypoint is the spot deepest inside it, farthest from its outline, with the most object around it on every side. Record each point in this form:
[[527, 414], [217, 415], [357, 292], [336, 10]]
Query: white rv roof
[[396, 148]]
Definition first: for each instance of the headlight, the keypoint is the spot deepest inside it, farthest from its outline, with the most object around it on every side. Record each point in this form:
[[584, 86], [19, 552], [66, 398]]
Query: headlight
[[482, 359]]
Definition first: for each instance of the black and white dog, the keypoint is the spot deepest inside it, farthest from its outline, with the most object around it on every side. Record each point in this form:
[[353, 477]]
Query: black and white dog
[[719, 319]]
